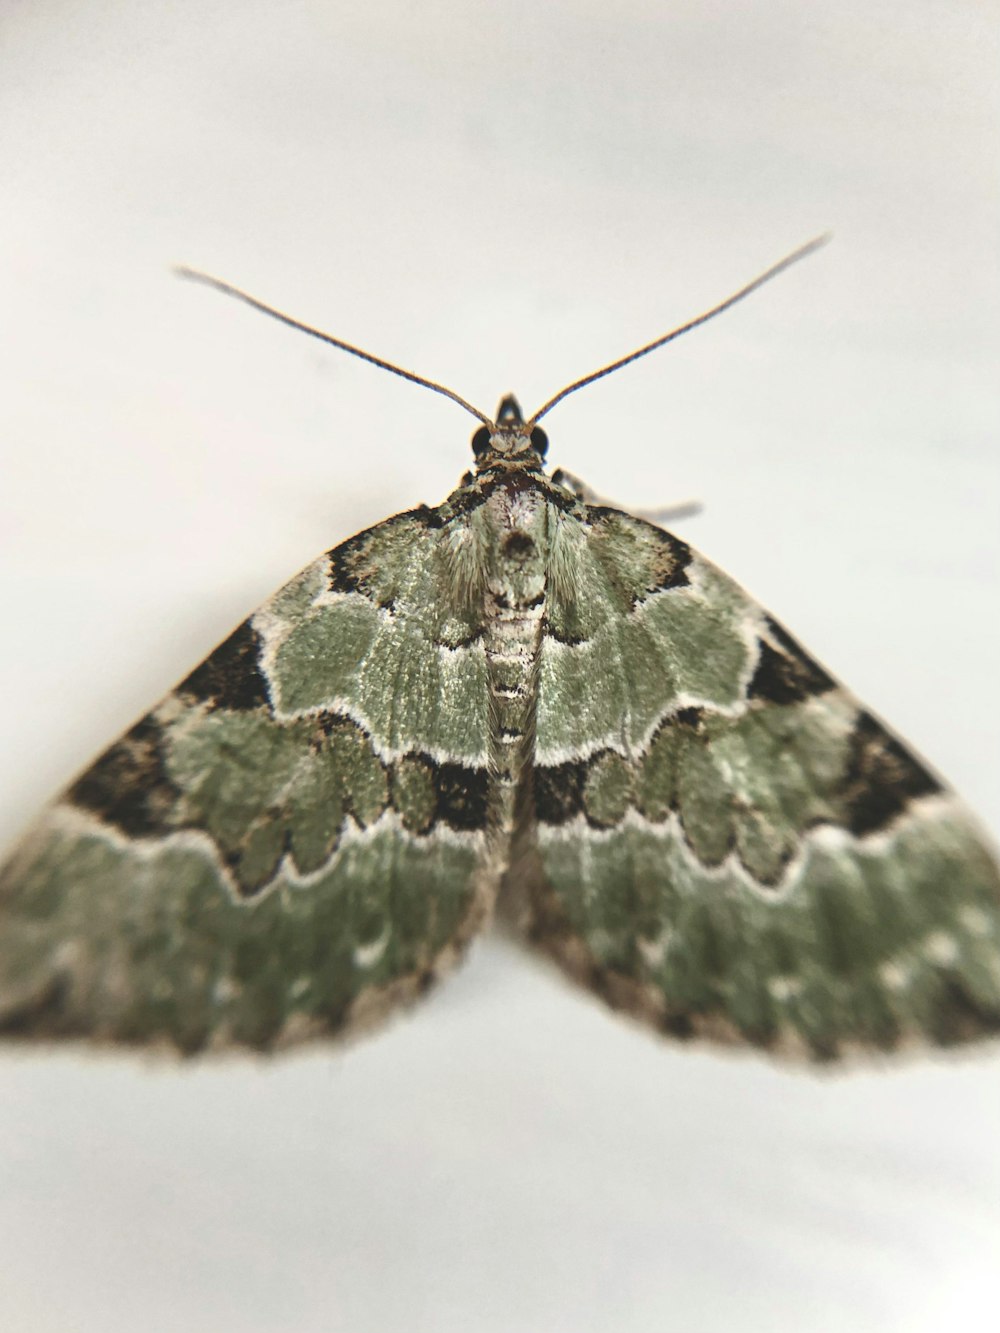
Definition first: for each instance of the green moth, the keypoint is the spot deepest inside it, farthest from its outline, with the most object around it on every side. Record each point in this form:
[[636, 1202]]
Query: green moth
[[522, 702]]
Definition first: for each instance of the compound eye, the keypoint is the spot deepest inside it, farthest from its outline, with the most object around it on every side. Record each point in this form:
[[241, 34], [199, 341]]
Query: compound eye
[[481, 441], [539, 441]]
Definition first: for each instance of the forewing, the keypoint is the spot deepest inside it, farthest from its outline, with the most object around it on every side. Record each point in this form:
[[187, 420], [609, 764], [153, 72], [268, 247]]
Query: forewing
[[290, 842], [728, 844]]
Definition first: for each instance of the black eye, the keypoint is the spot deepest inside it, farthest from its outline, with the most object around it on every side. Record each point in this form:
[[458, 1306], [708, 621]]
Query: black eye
[[481, 440], [539, 441]]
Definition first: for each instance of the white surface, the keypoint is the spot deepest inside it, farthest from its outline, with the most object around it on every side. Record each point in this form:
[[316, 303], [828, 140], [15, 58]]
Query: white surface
[[502, 196]]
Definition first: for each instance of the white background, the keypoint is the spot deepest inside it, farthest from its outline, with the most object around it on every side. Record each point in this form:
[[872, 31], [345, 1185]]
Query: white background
[[502, 196]]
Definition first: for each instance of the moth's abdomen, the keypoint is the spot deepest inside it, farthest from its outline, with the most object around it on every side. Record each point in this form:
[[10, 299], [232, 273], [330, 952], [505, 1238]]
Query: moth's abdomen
[[515, 606]]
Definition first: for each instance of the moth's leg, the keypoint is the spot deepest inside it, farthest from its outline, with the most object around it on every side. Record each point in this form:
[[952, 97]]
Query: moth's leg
[[666, 514], [579, 488], [670, 513]]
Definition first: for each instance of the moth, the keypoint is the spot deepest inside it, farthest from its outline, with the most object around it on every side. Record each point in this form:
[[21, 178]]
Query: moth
[[524, 702]]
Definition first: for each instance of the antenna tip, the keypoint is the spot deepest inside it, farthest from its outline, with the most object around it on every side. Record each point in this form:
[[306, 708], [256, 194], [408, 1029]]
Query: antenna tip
[[817, 243], [191, 274]]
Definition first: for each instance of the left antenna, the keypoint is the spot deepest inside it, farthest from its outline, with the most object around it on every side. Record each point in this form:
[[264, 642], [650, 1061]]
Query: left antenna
[[228, 289]]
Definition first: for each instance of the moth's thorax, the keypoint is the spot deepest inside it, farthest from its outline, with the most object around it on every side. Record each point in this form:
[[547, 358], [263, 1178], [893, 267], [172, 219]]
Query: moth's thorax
[[518, 521]]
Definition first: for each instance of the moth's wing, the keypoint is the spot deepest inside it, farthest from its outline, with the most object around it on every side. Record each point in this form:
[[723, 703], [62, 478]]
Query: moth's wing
[[728, 844], [292, 841]]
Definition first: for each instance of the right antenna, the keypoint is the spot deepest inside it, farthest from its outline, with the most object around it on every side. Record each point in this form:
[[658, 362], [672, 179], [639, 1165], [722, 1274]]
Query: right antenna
[[809, 248]]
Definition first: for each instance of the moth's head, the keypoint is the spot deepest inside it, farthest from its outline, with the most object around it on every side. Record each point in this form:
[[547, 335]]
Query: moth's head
[[510, 438]]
